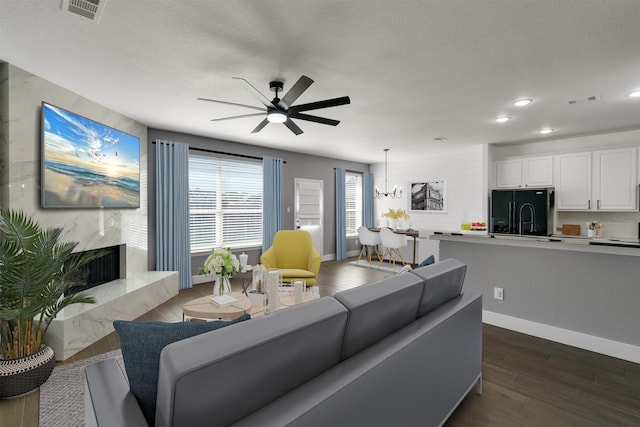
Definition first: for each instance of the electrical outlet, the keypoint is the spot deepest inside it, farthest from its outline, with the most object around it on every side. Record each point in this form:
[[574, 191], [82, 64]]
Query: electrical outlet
[[498, 293]]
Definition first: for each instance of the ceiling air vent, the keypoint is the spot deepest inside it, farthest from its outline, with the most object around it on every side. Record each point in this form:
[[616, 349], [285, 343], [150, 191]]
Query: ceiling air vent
[[91, 9], [585, 100]]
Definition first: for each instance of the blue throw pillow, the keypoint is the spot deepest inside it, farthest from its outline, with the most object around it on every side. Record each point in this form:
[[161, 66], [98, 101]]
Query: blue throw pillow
[[141, 344], [427, 261]]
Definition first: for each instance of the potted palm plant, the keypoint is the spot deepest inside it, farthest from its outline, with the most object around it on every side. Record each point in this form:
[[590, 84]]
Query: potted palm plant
[[35, 270]]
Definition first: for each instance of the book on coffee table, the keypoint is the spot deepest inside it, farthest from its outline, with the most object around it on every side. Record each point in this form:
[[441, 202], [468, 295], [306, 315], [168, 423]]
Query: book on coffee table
[[223, 301]]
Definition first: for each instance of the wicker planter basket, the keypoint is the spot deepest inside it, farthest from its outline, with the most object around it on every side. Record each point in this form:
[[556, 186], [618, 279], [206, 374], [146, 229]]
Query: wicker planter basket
[[21, 376]]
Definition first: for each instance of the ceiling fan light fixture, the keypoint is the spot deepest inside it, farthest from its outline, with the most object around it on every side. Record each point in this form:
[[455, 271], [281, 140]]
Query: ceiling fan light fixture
[[276, 117]]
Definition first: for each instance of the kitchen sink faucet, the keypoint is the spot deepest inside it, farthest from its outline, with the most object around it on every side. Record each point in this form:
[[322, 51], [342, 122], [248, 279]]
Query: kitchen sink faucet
[[532, 214]]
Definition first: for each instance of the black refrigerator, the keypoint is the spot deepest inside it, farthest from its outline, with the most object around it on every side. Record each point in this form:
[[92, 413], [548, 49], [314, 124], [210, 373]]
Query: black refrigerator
[[527, 212]]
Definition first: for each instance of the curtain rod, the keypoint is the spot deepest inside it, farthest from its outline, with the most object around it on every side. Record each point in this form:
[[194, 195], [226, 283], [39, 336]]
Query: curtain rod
[[349, 170], [246, 156]]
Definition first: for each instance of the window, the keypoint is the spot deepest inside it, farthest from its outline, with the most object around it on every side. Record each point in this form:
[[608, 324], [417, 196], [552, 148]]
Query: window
[[353, 198], [225, 203]]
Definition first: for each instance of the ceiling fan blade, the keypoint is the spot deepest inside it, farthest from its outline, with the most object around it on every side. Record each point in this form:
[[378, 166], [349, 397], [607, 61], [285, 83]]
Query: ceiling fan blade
[[237, 117], [316, 119], [232, 103], [321, 104], [260, 126], [294, 93], [293, 127], [255, 92]]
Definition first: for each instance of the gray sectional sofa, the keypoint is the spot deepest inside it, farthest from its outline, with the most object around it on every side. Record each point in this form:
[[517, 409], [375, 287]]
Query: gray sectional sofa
[[403, 351]]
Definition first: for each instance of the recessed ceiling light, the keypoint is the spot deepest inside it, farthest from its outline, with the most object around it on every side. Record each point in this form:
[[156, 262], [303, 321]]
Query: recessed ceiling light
[[546, 130], [522, 102], [635, 94], [503, 119]]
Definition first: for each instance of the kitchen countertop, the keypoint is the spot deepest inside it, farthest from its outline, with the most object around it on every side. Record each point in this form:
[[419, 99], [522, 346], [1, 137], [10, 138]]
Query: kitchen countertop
[[612, 246]]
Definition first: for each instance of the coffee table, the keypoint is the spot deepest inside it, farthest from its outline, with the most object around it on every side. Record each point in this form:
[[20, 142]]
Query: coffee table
[[286, 300], [203, 308]]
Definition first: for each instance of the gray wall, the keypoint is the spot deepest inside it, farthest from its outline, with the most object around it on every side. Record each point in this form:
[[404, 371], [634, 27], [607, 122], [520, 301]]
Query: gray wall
[[592, 293], [297, 166]]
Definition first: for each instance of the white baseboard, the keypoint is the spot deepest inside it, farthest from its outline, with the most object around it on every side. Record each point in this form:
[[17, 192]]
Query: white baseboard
[[200, 278], [564, 336], [331, 257]]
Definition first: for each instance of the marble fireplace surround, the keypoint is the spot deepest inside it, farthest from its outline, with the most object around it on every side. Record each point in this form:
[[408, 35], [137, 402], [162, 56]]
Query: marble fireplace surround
[[138, 290], [80, 325]]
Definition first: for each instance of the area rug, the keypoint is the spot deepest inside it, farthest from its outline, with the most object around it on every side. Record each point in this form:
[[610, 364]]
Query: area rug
[[62, 396], [386, 266]]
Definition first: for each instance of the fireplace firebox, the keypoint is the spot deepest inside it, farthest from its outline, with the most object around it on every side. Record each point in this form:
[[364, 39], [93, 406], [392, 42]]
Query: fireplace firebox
[[100, 270]]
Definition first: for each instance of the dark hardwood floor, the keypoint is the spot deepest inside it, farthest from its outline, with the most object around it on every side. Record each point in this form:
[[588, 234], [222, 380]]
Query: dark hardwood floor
[[527, 381]]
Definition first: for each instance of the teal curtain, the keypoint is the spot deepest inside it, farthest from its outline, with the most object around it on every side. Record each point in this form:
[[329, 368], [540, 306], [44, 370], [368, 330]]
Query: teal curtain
[[173, 248], [367, 200], [271, 200], [341, 215]]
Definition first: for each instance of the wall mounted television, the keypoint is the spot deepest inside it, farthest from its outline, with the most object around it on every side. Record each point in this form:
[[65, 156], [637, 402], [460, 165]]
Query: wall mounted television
[[86, 164]]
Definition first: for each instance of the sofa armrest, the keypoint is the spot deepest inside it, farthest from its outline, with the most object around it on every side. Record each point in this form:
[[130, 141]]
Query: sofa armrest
[[268, 259], [107, 398], [315, 259]]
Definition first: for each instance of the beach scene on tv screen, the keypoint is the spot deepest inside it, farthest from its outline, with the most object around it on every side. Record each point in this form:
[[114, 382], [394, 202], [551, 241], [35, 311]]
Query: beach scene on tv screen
[[87, 164]]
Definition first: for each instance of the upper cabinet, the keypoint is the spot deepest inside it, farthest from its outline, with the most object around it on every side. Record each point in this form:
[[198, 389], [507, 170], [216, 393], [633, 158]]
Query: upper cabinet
[[573, 181], [525, 172], [599, 181]]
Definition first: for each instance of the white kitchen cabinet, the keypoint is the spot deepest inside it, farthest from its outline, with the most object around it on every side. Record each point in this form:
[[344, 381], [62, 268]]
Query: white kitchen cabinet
[[614, 180], [525, 172], [573, 182], [509, 173], [600, 181]]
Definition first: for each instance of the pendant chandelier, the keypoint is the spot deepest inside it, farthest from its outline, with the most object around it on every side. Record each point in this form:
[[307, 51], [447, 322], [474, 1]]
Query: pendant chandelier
[[397, 191]]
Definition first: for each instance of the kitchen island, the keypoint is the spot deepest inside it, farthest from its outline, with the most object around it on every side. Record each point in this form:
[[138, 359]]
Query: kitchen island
[[558, 288]]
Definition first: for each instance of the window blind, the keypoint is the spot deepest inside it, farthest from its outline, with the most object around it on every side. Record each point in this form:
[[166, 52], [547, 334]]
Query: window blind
[[225, 203], [353, 196]]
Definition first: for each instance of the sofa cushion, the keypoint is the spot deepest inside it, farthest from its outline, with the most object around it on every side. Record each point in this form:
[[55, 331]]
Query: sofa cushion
[[205, 382], [442, 282], [378, 309], [141, 344]]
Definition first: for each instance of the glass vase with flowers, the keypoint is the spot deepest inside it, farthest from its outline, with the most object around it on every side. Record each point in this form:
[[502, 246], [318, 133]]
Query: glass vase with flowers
[[222, 264]]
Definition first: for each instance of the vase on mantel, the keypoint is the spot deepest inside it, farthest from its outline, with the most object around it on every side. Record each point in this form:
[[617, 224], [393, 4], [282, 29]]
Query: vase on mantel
[[222, 286]]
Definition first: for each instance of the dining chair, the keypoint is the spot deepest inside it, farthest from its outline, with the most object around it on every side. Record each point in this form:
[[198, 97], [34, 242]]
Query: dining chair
[[369, 241], [392, 242]]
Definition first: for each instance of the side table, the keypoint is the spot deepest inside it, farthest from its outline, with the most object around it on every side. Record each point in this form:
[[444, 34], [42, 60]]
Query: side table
[[246, 278]]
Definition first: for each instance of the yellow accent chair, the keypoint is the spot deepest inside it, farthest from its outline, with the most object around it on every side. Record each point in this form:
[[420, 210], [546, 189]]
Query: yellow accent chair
[[292, 251]]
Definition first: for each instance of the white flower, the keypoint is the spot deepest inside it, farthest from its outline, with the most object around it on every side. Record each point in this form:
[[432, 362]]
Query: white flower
[[221, 262]]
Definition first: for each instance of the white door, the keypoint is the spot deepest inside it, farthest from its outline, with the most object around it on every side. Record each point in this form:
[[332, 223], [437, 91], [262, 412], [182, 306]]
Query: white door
[[309, 200]]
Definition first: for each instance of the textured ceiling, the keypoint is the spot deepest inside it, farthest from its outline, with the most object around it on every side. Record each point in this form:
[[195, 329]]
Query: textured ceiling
[[414, 69]]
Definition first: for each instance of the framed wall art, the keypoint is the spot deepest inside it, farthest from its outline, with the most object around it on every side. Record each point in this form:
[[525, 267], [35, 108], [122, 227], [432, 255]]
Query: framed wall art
[[429, 196]]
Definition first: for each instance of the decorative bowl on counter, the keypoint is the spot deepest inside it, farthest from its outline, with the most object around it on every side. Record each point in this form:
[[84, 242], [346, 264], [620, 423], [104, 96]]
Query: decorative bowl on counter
[[478, 226]]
